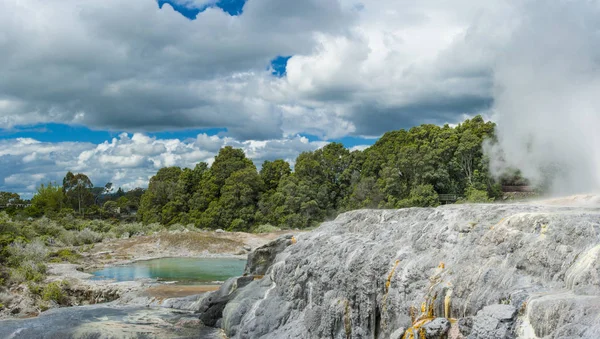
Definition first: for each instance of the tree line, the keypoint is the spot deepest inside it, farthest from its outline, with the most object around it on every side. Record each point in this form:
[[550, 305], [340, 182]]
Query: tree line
[[404, 168], [76, 196]]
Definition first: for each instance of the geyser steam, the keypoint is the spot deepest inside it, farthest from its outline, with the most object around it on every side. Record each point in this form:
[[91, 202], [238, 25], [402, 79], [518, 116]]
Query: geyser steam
[[547, 97]]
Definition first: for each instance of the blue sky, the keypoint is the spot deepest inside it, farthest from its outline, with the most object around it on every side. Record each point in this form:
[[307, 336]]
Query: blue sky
[[232, 7]]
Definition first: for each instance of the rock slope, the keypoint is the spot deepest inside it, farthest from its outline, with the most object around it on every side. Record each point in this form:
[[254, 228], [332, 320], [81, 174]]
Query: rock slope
[[457, 271]]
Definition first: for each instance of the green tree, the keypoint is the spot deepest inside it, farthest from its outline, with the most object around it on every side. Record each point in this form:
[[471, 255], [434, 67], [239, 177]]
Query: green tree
[[272, 172], [162, 189], [228, 161], [77, 188], [48, 200]]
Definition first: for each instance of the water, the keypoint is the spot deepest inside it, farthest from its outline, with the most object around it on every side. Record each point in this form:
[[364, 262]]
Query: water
[[181, 270]]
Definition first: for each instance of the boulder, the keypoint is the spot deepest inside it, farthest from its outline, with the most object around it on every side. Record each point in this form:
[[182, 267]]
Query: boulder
[[437, 328], [211, 307]]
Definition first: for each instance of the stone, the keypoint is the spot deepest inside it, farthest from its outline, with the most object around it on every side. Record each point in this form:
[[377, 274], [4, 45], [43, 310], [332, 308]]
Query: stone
[[211, 307], [219, 231], [263, 257], [465, 325], [437, 328], [494, 322], [398, 334], [503, 313]]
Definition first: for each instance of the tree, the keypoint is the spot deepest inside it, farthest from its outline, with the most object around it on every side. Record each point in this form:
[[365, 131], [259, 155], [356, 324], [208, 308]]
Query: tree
[[77, 189], [161, 190], [47, 200], [228, 161], [9, 198], [272, 172]]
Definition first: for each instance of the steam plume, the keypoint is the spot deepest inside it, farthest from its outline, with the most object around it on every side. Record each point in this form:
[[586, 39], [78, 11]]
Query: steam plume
[[547, 97]]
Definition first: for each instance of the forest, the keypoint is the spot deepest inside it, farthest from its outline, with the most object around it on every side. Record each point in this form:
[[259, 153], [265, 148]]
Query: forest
[[404, 168]]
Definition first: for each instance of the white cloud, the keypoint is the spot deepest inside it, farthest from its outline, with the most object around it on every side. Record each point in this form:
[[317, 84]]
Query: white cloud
[[355, 69], [127, 161]]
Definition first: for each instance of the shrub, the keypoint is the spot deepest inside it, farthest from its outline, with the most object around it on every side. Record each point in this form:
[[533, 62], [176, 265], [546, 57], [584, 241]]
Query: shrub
[[99, 226], [424, 196], [87, 237], [54, 292], [5, 299], [266, 228], [34, 289], [20, 252], [476, 196], [65, 255], [45, 226], [29, 271]]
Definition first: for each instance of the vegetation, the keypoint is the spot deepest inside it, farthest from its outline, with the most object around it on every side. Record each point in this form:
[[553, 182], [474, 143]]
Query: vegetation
[[403, 169]]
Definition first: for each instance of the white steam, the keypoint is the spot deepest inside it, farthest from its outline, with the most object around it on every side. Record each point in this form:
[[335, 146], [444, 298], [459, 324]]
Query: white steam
[[547, 97]]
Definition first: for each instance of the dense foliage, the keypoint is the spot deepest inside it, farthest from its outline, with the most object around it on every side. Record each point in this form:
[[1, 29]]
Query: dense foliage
[[402, 169]]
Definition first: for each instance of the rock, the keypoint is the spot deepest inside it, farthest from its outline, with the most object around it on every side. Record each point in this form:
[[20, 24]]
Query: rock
[[465, 325], [211, 307], [504, 313], [219, 231], [437, 328], [370, 273], [398, 334], [494, 322], [247, 248], [263, 257]]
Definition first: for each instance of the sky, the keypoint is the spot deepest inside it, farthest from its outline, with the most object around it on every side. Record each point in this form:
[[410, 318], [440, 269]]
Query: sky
[[117, 89]]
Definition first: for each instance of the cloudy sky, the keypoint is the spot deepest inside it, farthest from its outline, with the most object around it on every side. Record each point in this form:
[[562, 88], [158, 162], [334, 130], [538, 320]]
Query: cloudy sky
[[117, 89]]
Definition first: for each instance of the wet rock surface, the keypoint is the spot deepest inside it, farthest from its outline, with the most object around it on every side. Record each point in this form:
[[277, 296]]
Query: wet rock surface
[[457, 271], [102, 322]]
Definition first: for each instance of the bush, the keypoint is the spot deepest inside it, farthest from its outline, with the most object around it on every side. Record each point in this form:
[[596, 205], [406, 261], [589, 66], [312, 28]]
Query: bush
[[28, 271], [20, 252], [87, 237], [65, 255], [5, 299], [54, 292], [266, 228], [476, 196], [420, 196], [45, 226]]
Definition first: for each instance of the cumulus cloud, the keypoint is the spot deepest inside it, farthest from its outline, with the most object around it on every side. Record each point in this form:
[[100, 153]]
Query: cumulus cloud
[[127, 161], [357, 68], [546, 97]]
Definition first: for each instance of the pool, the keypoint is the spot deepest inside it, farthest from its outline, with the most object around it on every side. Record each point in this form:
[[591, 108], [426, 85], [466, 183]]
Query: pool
[[180, 270]]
